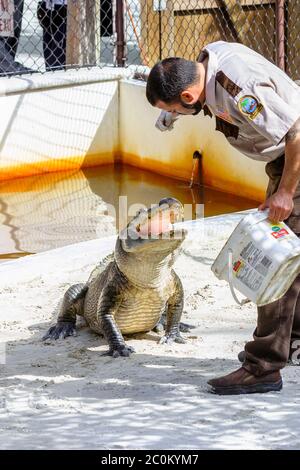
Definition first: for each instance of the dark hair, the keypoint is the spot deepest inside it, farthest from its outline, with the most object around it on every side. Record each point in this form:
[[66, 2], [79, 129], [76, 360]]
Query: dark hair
[[169, 78]]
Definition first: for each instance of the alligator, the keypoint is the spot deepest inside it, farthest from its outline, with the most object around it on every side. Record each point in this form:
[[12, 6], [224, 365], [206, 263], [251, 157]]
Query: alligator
[[135, 289]]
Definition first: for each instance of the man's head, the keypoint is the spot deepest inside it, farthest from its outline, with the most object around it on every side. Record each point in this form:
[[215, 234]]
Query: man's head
[[177, 85]]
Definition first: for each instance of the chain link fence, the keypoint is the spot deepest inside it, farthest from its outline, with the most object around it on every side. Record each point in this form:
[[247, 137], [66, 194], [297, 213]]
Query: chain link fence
[[58, 34]]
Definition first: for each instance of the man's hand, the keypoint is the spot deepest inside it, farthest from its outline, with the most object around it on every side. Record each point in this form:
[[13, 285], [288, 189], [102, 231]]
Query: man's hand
[[280, 205], [165, 121]]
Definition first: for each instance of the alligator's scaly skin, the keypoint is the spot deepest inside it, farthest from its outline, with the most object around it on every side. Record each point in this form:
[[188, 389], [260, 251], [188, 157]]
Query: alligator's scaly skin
[[130, 290]]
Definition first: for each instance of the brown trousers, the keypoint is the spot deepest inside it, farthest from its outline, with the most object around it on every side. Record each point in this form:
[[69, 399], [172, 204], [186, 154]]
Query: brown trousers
[[278, 323]]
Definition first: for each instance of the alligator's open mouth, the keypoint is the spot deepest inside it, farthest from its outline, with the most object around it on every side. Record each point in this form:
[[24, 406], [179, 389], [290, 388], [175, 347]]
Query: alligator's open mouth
[[160, 222], [157, 223]]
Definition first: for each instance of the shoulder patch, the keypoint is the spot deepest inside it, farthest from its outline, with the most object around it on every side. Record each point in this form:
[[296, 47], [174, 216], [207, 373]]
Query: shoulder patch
[[232, 88], [249, 106]]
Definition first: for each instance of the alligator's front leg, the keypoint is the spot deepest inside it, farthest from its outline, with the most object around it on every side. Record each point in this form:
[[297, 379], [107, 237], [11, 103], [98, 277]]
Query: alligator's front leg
[[174, 312], [72, 305], [109, 302]]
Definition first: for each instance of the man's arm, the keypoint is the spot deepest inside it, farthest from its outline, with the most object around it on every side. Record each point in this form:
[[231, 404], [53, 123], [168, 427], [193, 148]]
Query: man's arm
[[281, 203]]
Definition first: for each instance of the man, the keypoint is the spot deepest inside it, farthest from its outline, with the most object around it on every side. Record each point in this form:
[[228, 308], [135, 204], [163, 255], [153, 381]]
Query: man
[[257, 108]]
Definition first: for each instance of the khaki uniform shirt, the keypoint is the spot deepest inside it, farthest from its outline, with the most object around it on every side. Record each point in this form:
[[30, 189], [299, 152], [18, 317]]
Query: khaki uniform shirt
[[255, 103]]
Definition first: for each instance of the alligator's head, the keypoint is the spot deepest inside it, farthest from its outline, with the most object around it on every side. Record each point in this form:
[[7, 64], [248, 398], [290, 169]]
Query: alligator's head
[[149, 244], [152, 229]]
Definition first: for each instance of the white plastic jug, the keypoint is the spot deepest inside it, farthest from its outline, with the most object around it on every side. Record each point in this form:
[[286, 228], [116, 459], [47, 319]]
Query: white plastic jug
[[260, 259]]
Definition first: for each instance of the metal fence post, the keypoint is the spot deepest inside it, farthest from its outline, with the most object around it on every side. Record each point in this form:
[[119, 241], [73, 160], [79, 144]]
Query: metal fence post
[[120, 33], [280, 34]]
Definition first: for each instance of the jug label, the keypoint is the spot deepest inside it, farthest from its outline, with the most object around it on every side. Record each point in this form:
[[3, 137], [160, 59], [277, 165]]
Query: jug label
[[250, 277], [252, 267], [256, 258]]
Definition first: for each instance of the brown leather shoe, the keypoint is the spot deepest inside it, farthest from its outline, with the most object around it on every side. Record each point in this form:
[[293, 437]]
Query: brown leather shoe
[[241, 381]]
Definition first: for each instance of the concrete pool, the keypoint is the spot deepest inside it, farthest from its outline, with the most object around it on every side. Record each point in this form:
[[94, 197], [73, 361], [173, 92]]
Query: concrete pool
[[43, 212]]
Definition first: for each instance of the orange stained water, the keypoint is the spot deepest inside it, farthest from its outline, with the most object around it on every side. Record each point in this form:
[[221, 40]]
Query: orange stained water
[[47, 211]]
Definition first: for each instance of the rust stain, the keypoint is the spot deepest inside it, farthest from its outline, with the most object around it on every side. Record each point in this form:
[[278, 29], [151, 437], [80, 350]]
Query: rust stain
[[181, 171], [37, 183], [177, 166], [22, 170], [214, 176], [9, 256], [235, 187], [219, 177]]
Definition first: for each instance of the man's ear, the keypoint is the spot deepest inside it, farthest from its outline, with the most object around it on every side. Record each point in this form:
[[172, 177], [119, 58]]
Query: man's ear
[[187, 97]]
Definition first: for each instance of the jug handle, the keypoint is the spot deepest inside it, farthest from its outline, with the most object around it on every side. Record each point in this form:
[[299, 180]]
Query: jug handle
[[230, 280]]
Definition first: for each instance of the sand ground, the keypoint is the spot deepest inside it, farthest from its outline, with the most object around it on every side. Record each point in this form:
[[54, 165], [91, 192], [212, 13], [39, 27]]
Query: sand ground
[[66, 395]]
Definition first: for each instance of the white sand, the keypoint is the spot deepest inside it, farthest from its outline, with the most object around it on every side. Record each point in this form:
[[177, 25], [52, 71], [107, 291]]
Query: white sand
[[66, 395]]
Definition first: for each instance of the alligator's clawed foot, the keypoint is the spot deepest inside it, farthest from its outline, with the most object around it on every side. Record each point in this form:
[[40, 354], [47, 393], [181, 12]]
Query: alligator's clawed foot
[[161, 326], [62, 329], [185, 327], [168, 339], [124, 351]]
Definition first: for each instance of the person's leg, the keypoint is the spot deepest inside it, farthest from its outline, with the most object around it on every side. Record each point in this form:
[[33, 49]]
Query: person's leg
[[48, 49], [269, 351], [18, 15], [43, 15], [59, 36], [294, 223], [50, 21], [279, 321], [270, 348], [294, 354], [11, 43], [290, 302]]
